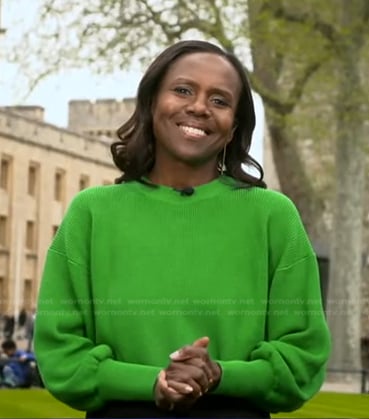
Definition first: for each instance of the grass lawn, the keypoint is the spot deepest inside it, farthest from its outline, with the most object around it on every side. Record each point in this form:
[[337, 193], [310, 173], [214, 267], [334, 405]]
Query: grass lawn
[[33, 403], [40, 404]]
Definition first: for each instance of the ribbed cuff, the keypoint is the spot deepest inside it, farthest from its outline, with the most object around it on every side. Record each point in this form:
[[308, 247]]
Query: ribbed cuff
[[123, 381], [245, 378]]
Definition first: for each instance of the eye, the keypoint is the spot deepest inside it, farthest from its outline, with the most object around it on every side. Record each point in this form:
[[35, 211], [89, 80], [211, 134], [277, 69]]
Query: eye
[[219, 101], [182, 90]]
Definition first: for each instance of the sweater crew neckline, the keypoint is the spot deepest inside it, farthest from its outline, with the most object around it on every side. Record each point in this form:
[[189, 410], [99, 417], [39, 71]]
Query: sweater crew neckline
[[187, 194]]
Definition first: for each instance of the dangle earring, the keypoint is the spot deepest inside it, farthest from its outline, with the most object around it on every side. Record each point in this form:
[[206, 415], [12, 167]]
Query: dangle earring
[[222, 167]]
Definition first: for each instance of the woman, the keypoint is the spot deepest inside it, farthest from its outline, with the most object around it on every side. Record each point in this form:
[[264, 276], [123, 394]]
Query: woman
[[187, 288]]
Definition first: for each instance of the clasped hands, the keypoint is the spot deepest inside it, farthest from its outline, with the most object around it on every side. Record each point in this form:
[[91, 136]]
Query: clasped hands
[[190, 374]]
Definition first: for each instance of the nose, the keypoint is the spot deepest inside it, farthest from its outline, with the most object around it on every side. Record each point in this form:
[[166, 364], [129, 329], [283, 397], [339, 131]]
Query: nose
[[198, 105]]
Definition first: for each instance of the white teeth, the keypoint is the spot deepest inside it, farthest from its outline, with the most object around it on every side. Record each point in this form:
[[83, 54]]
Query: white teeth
[[193, 131]]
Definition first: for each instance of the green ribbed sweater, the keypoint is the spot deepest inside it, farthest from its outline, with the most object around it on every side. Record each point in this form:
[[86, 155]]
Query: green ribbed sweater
[[136, 272]]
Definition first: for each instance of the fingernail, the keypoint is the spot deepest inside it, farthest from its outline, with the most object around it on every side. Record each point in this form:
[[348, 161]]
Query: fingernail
[[188, 389], [161, 374], [174, 355]]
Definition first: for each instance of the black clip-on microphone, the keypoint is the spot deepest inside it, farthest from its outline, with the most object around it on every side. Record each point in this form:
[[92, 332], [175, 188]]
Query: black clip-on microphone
[[188, 191]]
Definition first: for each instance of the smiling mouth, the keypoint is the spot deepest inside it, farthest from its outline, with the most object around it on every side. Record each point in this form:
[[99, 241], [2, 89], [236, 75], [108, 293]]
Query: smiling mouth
[[192, 131]]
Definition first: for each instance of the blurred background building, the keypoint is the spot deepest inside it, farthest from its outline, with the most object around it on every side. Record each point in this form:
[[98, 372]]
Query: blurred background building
[[41, 168]]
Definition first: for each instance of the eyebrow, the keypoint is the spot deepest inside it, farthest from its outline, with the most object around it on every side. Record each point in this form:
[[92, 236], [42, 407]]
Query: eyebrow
[[218, 90]]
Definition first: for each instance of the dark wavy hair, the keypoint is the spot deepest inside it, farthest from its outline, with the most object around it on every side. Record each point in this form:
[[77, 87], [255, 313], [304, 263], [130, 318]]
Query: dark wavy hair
[[134, 153]]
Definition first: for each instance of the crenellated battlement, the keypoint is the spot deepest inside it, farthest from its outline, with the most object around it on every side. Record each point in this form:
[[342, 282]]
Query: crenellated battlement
[[101, 117]]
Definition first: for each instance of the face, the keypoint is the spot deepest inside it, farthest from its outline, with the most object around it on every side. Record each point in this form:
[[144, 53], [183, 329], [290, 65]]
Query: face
[[9, 352], [194, 111]]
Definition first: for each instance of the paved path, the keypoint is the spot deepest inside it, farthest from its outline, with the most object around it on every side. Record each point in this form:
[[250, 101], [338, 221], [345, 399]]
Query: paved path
[[354, 387]]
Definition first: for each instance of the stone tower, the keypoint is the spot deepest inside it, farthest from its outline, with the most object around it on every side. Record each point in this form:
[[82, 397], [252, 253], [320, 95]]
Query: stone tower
[[101, 118]]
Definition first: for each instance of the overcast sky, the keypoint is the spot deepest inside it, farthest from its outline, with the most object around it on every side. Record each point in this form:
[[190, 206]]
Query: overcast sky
[[54, 93]]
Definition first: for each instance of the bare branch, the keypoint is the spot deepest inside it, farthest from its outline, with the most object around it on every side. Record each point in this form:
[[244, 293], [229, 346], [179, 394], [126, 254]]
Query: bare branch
[[299, 85], [327, 30], [219, 29], [275, 101], [272, 100]]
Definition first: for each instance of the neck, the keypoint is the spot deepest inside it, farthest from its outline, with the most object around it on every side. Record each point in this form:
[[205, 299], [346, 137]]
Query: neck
[[181, 175]]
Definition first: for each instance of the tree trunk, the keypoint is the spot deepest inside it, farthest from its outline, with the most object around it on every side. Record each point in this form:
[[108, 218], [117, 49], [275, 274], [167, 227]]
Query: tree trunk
[[344, 296], [291, 171], [293, 178]]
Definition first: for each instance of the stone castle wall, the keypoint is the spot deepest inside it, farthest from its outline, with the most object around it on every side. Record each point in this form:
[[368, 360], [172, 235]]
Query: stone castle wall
[[42, 168], [101, 118]]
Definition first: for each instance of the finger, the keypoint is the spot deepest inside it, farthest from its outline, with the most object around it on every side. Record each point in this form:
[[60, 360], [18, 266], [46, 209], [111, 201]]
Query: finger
[[188, 352], [183, 353], [216, 371], [206, 367], [162, 382], [200, 375], [191, 372], [177, 386], [202, 342], [163, 397], [162, 375], [173, 392]]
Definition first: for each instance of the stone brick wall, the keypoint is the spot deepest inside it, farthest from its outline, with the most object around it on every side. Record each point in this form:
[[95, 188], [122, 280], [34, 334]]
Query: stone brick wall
[[82, 161], [101, 118]]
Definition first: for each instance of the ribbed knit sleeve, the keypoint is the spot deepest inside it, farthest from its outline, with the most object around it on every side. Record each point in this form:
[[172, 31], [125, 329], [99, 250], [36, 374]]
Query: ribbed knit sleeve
[[288, 367], [76, 370]]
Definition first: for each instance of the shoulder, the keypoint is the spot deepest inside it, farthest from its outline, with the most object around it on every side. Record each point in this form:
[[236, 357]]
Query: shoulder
[[96, 196], [279, 216], [270, 202], [97, 192], [82, 207], [93, 202], [270, 195]]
